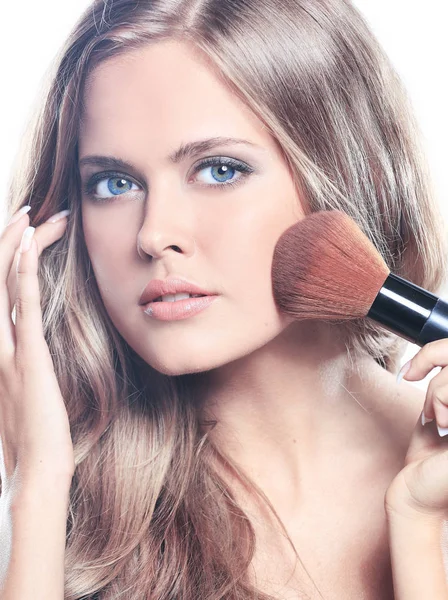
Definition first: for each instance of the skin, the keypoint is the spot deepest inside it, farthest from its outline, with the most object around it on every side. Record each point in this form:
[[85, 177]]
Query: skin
[[291, 409]]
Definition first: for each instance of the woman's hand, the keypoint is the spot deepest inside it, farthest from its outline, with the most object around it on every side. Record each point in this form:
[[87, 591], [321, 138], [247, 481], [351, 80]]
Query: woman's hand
[[34, 428], [420, 490]]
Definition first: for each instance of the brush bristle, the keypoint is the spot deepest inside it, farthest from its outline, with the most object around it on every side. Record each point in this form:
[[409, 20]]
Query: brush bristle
[[325, 267]]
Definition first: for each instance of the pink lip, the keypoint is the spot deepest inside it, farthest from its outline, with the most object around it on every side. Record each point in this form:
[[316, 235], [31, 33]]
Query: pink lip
[[173, 285], [180, 309]]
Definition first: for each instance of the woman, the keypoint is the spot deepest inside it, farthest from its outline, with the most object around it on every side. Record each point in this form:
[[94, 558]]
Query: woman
[[226, 452]]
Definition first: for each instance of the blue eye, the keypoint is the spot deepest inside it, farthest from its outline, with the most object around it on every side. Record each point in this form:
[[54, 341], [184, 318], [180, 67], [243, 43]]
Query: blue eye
[[223, 172], [115, 183], [120, 186]]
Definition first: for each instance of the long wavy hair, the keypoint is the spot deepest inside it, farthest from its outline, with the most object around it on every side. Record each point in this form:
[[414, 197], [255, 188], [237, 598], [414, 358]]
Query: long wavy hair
[[149, 515]]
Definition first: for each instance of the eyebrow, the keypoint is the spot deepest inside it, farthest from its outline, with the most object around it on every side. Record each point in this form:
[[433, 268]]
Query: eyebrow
[[189, 150]]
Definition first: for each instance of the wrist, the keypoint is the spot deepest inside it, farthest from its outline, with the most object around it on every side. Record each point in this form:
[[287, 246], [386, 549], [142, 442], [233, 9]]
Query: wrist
[[425, 527], [47, 487], [412, 517], [416, 551], [406, 510]]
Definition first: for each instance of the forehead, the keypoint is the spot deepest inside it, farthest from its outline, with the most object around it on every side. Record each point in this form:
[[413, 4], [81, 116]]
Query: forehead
[[163, 92]]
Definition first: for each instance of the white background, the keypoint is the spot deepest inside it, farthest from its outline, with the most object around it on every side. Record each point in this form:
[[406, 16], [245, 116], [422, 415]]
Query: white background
[[413, 34]]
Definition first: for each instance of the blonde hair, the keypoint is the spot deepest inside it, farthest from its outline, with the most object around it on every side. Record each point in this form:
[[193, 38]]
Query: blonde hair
[[149, 515]]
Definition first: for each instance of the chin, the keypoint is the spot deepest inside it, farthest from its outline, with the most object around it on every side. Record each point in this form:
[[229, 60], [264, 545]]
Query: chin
[[181, 367]]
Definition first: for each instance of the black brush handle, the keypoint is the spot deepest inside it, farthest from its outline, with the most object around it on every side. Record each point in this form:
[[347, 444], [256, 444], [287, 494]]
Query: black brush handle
[[410, 311]]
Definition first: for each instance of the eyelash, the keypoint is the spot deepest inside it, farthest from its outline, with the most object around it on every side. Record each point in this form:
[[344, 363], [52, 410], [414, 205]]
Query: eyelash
[[244, 169]]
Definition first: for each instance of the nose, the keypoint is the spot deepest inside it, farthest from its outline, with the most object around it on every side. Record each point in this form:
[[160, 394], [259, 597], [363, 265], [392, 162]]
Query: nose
[[167, 225]]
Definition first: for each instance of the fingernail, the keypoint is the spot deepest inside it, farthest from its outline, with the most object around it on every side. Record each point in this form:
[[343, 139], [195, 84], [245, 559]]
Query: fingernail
[[425, 419], [27, 237], [20, 214], [404, 369], [58, 216], [442, 431]]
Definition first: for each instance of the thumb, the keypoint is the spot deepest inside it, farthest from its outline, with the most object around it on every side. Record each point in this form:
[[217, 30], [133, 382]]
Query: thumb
[[424, 441]]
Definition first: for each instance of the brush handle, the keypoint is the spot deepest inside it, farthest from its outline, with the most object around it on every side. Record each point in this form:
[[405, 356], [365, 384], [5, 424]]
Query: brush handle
[[410, 311]]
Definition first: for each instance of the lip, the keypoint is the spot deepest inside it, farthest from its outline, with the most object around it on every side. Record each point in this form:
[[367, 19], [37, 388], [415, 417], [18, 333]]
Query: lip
[[172, 285], [180, 309]]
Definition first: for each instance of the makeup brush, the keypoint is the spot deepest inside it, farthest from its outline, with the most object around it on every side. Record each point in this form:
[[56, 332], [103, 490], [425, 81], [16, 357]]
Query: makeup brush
[[325, 267]]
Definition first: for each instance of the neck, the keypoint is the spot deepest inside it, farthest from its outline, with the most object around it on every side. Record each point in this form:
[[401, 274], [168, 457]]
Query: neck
[[286, 412]]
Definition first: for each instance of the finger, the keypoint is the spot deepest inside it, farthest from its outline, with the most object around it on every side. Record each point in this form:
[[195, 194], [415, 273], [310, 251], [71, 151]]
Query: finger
[[433, 354], [436, 401], [440, 408], [424, 441], [9, 240], [45, 235], [31, 348]]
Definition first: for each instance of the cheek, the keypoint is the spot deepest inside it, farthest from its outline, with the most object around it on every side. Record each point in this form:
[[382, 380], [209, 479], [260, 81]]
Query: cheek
[[240, 249], [110, 248]]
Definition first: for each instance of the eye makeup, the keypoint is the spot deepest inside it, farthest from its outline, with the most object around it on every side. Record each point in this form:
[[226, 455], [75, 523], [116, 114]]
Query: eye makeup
[[89, 186]]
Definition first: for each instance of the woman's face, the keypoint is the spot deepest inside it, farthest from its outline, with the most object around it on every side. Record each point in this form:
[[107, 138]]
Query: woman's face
[[214, 224]]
